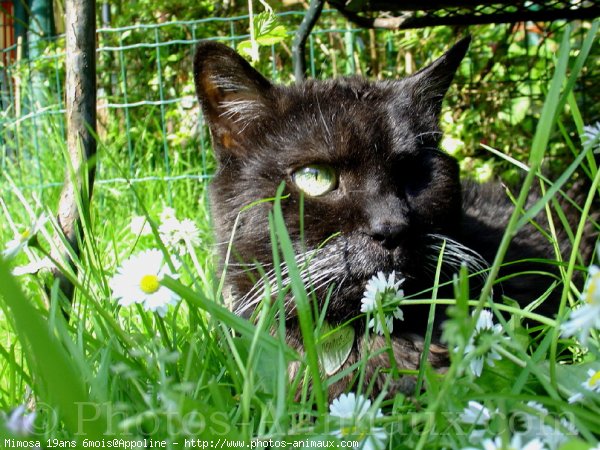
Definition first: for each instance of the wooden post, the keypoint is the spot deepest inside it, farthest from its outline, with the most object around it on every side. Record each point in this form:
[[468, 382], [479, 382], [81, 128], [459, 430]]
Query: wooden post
[[81, 124]]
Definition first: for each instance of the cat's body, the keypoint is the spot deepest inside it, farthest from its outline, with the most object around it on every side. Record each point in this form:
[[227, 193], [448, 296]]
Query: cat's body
[[386, 197]]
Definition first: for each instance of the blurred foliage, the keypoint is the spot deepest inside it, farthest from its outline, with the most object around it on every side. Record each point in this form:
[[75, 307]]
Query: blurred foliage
[[124, 13]]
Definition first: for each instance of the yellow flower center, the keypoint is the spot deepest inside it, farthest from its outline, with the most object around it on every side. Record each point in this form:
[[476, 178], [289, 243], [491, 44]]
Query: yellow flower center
[[354, 432], [594, 379], [592, 291], [149, 284], [25, 235]]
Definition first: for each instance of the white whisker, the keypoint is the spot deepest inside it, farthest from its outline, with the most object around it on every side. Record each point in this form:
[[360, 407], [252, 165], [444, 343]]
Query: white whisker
[[456, 254], [317, 269]]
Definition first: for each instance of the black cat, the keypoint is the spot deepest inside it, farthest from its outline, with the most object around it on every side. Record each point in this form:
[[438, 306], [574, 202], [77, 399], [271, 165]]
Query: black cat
[[364, 156]]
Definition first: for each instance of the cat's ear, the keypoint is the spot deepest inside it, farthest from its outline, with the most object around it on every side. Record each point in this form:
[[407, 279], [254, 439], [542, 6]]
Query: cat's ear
[[233, 95], [429, 85]]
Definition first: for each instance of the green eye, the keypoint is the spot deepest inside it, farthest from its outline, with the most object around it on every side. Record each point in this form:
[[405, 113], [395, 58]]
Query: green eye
[[315, 180]]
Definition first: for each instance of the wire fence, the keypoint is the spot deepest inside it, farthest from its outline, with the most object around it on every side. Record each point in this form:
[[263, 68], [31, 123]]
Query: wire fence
[[147, 111], [150, 128]]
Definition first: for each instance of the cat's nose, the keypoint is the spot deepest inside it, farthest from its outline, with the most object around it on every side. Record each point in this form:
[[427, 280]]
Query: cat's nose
[[387, 233]]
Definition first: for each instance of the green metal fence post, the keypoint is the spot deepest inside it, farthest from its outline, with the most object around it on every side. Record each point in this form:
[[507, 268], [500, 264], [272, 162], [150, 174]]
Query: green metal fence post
[[299, 45], [41, 26], [21, 21], [41, 29]]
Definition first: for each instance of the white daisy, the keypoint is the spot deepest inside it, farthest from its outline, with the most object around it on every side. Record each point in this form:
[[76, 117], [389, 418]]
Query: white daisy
[[179, 234], [33, 267], [586, 317], [557, 436], [358, 409], [577, 397], [538, 407], [22, 239], [592, 384], [138, 281], [478, 416], [484, 325], [591, 291], [378, 284], [535, 427], [349, 406], [18, 422], [167, 213], [387, 290], [378, 326], [591, 135]]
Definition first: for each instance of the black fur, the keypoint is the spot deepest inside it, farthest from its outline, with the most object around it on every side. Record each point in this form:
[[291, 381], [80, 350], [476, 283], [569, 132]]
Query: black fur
[[397, 198]]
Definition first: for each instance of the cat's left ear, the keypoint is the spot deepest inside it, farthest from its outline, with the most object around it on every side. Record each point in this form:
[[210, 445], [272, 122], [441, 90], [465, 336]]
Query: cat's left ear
[[233, 95], [429, 85]]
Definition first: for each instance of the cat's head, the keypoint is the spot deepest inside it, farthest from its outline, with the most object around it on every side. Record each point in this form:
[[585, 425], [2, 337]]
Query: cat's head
[[363, 156]]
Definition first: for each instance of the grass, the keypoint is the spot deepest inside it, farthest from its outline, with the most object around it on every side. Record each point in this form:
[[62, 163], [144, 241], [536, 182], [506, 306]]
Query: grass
[[201, 372]]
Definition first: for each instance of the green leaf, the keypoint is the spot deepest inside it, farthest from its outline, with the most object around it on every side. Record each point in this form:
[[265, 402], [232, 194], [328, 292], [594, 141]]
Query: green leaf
[[244, 48], [273, 37], [575, 445], [519, 109], [551, 104], [58, 381], [265, 360], [265, 23], [336, 345]]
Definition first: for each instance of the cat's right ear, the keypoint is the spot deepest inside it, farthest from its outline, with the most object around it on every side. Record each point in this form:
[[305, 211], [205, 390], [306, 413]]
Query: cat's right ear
[[429, 85], [233, 95]]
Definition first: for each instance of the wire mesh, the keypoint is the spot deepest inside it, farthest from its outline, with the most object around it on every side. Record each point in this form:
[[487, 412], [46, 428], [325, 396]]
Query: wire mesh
[[418, 14]]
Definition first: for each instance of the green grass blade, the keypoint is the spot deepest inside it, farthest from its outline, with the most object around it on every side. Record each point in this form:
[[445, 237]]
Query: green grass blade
[[223, 314], [552, 103], [556, 186], [303, 305], [57, 379], [538, 149]]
